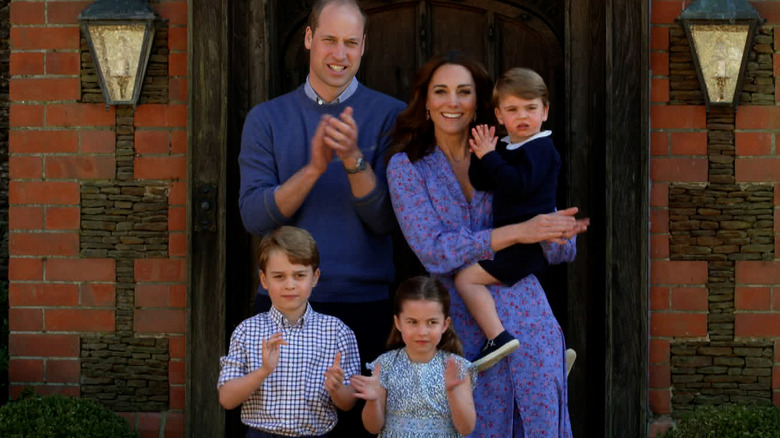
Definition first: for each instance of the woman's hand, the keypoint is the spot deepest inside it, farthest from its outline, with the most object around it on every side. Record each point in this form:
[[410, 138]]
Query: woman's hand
[[556, 227]]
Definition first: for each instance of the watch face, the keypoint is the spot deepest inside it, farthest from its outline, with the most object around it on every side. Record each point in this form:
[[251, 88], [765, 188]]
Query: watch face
[[360, 165]]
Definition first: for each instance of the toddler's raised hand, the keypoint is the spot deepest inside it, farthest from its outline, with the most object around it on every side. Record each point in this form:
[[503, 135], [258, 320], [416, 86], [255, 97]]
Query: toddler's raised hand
[[367, 388], [271, 351], [452, 375], [483, 140], [334, 376]]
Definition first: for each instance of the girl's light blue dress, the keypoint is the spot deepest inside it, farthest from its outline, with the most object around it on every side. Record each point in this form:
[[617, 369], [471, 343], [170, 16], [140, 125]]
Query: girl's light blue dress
[[416, 399]]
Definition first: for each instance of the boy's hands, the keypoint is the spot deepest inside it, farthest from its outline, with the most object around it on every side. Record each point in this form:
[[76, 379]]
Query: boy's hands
[[451, 373], [271, 352], [368, 388], [483, 140], [334, 376]]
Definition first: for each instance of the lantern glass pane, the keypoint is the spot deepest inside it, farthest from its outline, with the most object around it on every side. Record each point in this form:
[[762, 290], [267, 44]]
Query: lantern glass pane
[[118, 49], [720, 49]]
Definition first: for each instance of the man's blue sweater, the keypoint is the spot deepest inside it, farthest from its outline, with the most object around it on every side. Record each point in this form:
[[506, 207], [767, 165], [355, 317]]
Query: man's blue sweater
[[352, 234]]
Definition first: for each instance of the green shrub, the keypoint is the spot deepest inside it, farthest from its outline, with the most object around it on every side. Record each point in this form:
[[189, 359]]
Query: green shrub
[[729, 421], [58, 416]]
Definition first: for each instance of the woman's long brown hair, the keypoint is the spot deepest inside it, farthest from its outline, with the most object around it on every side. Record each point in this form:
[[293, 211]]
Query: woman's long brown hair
[[413, 132], [427, 289]]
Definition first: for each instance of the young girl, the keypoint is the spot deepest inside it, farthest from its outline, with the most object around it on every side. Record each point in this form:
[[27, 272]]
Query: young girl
[[422, 387]]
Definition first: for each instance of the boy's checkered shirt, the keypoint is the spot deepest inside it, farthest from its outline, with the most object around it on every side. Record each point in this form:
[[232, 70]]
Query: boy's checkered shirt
[[292, 400]]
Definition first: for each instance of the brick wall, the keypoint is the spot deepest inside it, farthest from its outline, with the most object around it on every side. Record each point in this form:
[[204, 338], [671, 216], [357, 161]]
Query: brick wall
[[715, 252], [97, 221]]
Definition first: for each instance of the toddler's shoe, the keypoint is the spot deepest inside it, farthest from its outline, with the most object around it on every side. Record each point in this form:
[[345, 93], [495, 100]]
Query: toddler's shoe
[[571, 356], [495, 350]]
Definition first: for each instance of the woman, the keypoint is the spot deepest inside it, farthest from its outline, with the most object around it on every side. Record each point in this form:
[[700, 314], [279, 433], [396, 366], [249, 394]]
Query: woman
[[447, 225]]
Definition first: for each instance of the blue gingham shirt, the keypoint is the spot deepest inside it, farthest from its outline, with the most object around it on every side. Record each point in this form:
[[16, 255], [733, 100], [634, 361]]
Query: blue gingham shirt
[[292, 400]]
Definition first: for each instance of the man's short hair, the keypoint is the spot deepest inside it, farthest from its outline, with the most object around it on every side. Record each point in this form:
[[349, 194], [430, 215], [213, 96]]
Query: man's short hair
[[319, 5], [296, 243], [521, 82]]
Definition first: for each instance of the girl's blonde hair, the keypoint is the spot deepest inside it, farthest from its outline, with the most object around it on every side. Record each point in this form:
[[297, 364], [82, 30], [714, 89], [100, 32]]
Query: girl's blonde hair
[[428, 289]]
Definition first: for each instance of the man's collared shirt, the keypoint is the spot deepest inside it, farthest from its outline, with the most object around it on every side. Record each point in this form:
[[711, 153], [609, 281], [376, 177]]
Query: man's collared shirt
[[292, 400], [349, 91]]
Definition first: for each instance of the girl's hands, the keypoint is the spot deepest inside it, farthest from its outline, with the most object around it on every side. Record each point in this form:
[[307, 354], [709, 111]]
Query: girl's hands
[[271, 352], [334, 376], [483, 141], [451, 375], [368, 388]]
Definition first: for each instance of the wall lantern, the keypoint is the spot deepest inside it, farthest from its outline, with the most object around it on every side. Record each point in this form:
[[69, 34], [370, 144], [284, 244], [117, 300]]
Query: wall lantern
[[119, 34], [720, 33]]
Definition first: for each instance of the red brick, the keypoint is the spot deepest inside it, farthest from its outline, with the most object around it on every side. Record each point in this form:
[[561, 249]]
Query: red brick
[[757, 272], [152, 142], [25, 13], [665, 12], [659, 246], [159, 320], [659, 143], [43, 294], [79, 114], [62, 371], [659, 90], [80, 320], [96, 142], [690, 299], [689, 143], [98, 295], [679, 324], [177, 64], [25, 320], [758, 117], [177, 38], [25, 218], [659, 63], [660, 425], [149, 424], [65, 12], [44, 244], [678, 272], [67, 390], [174, 425], [160, 167], [151, 295], [25, 370], [25, 115], [150, 270], [161, 116], [177, 89], [62, 63], [25, 269], [63, 218], [130, 417], [81, 270], [43, 345], [659, 220], [177, 397], [660, 376], [757, 325], [177, 244], [175, 12], [678, 117], [177, 219], [176, 347], [753, 143], [34, 192], [43, 142], [770, 11], [659, 298], [81, 167], [752, 298], [179, 142], [177, 295], [25, 167], [45, 38], [659, 38], [659, 351], [678, 169], [757, 169], [660, 401], [176, 372], [26, 63], [177, 194]]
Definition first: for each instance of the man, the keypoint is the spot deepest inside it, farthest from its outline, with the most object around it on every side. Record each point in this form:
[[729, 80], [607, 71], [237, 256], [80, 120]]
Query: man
[[315, 158]]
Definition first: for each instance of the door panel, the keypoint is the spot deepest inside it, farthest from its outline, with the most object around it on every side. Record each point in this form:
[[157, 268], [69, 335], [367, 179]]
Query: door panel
[[463, 28]]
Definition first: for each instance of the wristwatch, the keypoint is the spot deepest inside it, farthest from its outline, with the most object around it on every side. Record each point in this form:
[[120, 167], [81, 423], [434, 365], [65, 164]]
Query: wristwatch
[[360, 165]]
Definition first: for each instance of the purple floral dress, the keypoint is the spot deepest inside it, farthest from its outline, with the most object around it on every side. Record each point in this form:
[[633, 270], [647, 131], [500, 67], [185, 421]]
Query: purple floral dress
[[524, 395]]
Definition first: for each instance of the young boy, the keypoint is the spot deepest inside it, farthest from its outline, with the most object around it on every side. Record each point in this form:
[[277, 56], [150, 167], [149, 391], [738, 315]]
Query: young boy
[[522, 173], [290, 366]]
